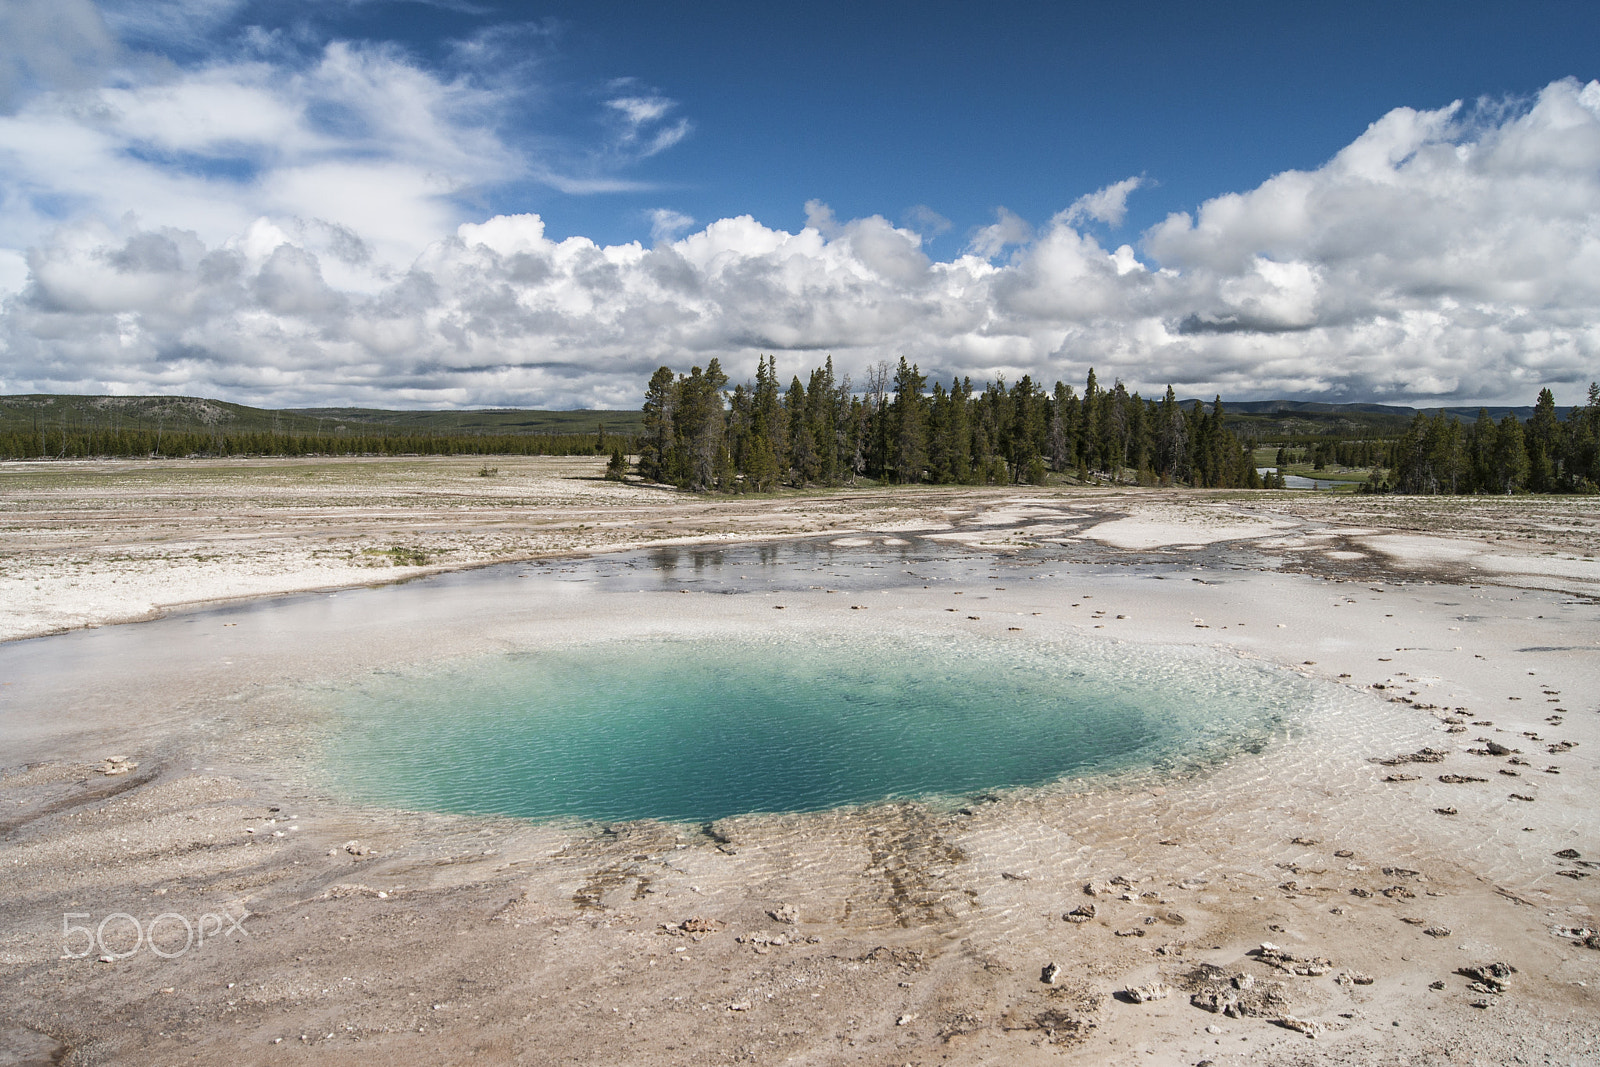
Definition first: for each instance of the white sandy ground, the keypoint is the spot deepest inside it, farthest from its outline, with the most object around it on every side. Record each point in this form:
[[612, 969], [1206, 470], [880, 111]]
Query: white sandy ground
[[1157, 526], [449, 939], [87, 543]]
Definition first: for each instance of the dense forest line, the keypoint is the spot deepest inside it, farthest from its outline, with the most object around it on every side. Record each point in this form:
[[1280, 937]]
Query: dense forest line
[[824, 432], [1546, 454], [47, 442]]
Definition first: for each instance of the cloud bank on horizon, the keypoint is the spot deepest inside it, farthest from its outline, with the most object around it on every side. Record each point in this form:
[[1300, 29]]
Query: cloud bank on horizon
[[293, 226]]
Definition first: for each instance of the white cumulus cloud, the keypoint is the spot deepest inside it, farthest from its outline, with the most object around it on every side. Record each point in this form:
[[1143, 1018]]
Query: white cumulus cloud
[[1108, 205], [358, 141], [156, 245], [1007, 229]]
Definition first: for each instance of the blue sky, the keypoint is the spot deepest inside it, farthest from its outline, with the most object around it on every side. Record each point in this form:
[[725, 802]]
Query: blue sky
[[1032, 105], [305, 203], [879, 108]]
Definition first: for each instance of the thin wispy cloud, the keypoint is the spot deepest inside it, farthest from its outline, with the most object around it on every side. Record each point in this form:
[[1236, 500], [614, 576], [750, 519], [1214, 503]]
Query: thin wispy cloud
[[640, 110], [645, 131], [168, 24], [667, 225], [574, 185], [924, 220]]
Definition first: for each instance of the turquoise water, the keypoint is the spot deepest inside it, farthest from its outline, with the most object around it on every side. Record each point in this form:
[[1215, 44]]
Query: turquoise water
[[699, 729]]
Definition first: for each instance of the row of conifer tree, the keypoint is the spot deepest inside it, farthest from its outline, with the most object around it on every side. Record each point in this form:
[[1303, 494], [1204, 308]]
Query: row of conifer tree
[[71, 442], [823, 431], [1546, 454]]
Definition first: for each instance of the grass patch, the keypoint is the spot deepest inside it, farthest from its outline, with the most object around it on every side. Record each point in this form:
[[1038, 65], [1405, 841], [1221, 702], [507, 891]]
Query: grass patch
[[396, 556]]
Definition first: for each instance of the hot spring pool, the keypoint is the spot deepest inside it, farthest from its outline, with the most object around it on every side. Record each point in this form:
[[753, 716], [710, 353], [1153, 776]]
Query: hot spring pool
[[698, 728]]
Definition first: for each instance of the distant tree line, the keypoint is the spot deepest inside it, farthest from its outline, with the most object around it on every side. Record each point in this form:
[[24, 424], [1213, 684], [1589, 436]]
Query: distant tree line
[[1546, 454], [1362, 452], [76, 443], [698, 435]]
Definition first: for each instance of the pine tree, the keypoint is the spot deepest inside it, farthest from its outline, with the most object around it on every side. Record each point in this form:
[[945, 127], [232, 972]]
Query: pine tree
[[1171, 440], [803, 462], [1089, 452], [1114, 430], [617, 466], [909, 422], [1542, 439], [1480, 447], [766, 411], [961, 470], [1025, 431], [940, 445], [700, 427], [760, 465], [1510, 457], [660, 405], [820, 423], [1141, 445], [1583, 445], [1062, 427]]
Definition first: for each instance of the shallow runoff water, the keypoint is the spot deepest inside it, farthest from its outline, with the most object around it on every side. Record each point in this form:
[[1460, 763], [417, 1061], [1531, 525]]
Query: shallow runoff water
[[586, 688], [733, 723]]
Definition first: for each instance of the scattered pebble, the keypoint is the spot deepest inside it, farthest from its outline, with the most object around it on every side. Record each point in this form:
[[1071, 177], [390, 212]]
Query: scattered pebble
[[1143, 994]]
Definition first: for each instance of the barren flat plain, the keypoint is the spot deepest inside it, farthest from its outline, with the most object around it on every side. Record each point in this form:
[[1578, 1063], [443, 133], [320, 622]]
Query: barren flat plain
[[1402, 874]]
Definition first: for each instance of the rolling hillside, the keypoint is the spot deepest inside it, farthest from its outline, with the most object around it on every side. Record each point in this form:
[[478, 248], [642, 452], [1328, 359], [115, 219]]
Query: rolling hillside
[[184, 414]]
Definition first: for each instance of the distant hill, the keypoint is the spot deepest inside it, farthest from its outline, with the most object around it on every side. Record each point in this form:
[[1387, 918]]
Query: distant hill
[[481, 420], [1291, 418], [196, 414], [1262, 419], [1274, 407]]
